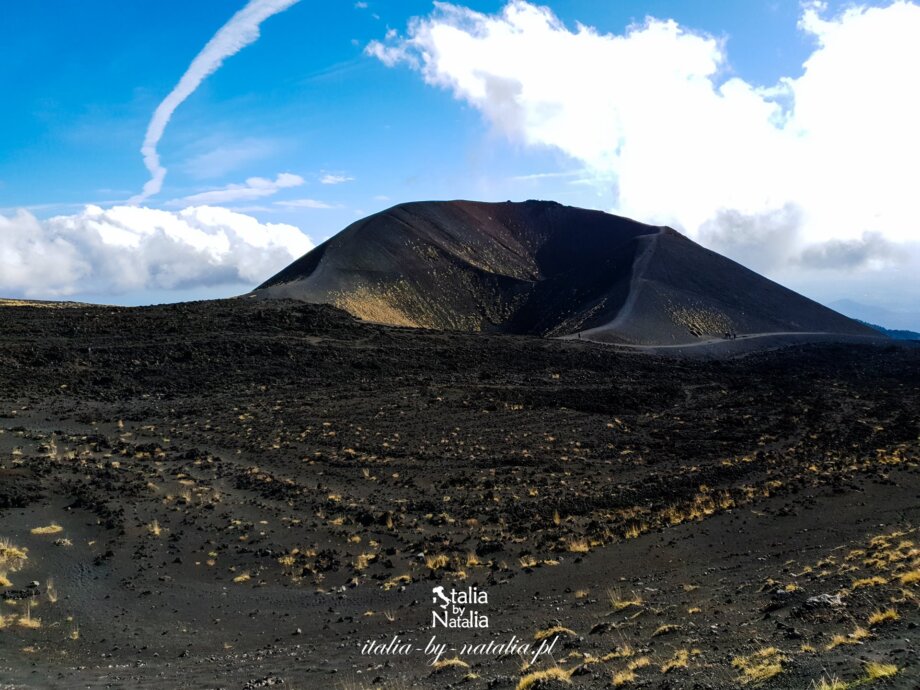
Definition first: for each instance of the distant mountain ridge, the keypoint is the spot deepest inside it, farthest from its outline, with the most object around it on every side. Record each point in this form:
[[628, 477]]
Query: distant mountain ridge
[[895, 334], [872, 314], [541, 268]]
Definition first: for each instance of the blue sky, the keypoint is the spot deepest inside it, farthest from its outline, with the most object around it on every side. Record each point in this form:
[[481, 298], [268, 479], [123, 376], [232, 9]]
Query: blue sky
[[355, 132], [303, 98]]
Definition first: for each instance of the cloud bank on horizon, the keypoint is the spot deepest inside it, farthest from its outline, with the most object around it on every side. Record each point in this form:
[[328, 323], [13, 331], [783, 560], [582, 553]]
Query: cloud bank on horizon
[[130, 248], [815, 171], [241, 30], [134, 248]]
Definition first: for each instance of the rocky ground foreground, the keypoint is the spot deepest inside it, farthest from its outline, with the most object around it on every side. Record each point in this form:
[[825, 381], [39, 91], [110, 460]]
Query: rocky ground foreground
[[240, 495]]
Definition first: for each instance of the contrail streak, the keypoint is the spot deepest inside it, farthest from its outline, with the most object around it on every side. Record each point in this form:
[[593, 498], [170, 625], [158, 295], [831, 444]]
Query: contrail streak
[[236, 34]]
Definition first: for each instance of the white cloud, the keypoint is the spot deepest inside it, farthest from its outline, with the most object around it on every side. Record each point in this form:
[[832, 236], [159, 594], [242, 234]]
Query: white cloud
[[870, 249], [828, 156], [547, 175], [129, 248], [335, 179], [303, 203], [761, 241], [253, 188], [231, 38], [227, 157]]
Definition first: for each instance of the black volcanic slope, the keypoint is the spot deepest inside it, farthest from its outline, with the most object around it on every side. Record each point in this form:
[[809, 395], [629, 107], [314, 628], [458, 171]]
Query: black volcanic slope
[[544, 269]]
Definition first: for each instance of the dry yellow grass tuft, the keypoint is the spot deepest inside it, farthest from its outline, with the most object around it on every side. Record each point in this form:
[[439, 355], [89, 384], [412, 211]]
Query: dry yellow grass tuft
[[628, 674], [27, 621], [621, 678], [665, 629], [623, 652], [854, 637], [879, 617], [635, 530], [681, 659], [242, 577], [619, 601], [875, 670], [578, 545], [53, 528], [397, 581], [12, 557], [437, 562], [453, 662], [550, 674], [363, 560], [911, 578], [552, 632], [759, 666], [874, 581]]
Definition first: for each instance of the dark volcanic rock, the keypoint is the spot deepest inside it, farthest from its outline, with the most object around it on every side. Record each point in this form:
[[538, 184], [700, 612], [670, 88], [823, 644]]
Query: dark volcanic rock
[[540, 268]]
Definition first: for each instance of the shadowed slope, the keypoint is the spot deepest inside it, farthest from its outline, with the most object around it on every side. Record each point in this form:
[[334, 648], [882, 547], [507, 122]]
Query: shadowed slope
[[545, 269]]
